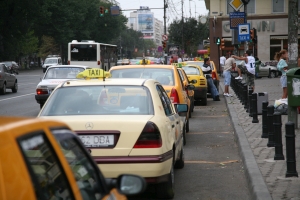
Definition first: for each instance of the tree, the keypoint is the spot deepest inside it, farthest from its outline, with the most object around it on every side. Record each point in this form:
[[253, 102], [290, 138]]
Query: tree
[[48, 47]]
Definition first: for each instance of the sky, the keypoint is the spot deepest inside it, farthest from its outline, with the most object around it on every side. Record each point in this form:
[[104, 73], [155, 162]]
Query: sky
[[173, 10]]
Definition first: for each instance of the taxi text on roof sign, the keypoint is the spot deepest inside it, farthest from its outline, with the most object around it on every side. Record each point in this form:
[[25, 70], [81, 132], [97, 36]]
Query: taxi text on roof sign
[[93, 73]]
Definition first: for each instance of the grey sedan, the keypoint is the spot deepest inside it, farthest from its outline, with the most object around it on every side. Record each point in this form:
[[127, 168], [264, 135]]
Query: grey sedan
[[7, 80]]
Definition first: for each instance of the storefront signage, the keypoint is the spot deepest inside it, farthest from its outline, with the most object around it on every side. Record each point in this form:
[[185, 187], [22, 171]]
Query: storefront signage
[[260, 26]]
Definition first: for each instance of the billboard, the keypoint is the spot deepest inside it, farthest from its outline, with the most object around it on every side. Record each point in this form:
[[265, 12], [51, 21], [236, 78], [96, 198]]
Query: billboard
[[145, 24]]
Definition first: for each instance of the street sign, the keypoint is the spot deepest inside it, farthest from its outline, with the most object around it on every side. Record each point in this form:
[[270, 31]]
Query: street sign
[[236, 18], [244, 32], [115, 10], [236, 4], [164, 37]]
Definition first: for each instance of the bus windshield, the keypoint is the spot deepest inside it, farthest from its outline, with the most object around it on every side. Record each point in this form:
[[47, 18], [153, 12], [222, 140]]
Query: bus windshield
[[83, 52]]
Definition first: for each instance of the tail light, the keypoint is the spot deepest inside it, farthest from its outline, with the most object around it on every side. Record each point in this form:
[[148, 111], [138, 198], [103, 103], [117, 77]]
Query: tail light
[[174, 96], [202, 81], [213, 75], [149, 138], [41, 91]]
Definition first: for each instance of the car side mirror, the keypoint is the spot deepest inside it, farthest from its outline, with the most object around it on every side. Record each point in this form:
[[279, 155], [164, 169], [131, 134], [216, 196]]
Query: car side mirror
[[193, 81], [131, 184], [181, 109]]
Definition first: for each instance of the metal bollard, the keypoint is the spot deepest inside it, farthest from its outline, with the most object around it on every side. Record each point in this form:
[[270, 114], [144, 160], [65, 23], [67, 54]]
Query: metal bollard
[[250, 91], [277, 136], [254, 106], [245, 95], [270, 112], [264, 120], [240, 90], [290, 150]]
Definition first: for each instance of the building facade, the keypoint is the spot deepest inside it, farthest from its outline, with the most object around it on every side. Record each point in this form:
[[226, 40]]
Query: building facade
[[143, 20], [268, 17]]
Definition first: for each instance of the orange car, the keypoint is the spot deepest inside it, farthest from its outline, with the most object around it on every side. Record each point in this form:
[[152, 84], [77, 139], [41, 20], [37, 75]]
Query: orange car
[[167, 75]]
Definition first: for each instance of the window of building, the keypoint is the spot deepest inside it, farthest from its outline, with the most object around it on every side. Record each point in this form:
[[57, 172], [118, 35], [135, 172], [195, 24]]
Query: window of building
[[251, 7], [278, 6]]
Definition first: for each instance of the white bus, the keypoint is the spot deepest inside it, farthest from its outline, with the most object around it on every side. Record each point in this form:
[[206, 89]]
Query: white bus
[[92, 54]]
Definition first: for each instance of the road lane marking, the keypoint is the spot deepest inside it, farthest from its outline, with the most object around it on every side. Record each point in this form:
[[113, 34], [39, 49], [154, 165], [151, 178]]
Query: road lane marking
[[208, 132], [17, 97], [209, 162]]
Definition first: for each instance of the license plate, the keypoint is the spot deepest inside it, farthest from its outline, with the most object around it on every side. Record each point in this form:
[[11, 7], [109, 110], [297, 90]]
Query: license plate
[[97, 140]]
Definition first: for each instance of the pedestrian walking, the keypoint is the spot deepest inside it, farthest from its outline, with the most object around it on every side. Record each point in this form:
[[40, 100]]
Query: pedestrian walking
[[282, 66], [229, 64], [248, 69], [222, 63], [206, 68]]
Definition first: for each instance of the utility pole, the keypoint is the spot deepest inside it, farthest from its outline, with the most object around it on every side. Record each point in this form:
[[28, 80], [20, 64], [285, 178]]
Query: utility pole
[[246, 47], [165, 31], [293, 50], [182, 24]]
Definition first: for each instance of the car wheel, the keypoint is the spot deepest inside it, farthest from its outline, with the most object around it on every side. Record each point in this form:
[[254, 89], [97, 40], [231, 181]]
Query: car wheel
[[15, 88], [193, 103], [190, 112], [3, 90], [165, 190], [187, 126], [204, 101], [184, 135], [179, 164], [273, 74]]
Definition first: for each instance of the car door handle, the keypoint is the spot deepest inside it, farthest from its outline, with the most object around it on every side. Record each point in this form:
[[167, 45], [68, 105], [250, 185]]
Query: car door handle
[[173, 125]]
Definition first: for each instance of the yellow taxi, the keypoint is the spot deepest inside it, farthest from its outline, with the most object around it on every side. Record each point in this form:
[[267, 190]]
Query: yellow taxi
[[167, 75], [44, 159], [130, 126], [189, 90], [214, 75], [196, 76]]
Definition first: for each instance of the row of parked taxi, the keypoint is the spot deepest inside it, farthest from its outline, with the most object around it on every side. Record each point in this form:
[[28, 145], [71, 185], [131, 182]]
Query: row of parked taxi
[[132, 120]]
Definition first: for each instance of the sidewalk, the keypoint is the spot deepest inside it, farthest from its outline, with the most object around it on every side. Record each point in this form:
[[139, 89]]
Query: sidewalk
[[266, 177]]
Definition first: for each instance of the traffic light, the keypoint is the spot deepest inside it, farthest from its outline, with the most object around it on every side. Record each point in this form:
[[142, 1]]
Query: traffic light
[[106, 11], [101, 11], [222, 43], [218, 41], [164, 44]]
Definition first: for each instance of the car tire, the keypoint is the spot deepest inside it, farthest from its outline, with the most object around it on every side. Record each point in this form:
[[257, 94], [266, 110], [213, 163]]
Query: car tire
[[190, 112], [273, 74], [3, 89], [204, 101], [179, 164], [193, 104], [165, 190], [187, 126], [15, 88]]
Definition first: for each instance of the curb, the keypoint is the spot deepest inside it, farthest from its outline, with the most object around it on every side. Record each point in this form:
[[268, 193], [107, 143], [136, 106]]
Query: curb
[[256, 183]]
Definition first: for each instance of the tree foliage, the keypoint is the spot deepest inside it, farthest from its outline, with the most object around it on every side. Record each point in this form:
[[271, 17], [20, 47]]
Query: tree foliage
[[188, 34]]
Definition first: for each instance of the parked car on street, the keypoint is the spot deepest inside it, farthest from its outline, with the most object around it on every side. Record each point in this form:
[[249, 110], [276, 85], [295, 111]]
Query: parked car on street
[[267, 70], [44, 159], [53, 77], [7, 80], [51, 60], [129, 125]]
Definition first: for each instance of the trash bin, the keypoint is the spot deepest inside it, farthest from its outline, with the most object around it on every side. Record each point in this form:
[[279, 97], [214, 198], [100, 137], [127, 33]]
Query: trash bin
[[293, 85]]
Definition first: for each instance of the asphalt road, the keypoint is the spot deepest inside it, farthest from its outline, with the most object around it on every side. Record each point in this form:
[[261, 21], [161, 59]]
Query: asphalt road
[[213, 168]]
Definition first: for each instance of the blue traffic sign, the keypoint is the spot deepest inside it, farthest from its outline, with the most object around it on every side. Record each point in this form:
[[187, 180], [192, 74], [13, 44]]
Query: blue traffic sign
[[243, 32]]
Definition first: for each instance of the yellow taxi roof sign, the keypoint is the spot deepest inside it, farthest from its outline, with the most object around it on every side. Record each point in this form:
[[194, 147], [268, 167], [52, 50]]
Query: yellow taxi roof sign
[[144, 62], [93, 73]]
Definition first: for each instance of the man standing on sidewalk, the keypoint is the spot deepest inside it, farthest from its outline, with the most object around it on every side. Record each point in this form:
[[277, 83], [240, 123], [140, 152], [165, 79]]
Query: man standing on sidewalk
[[248, 69], [229, 65]]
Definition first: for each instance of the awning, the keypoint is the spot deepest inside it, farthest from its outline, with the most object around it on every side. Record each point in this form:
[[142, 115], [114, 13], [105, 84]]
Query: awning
[[203, 51]]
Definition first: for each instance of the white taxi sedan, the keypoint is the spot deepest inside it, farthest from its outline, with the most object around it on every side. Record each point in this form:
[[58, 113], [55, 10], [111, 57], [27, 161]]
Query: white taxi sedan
[[53, 77], [129, 126]]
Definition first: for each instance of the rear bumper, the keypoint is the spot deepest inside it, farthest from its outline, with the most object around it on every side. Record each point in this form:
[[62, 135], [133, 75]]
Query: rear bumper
[[154, 169], [42, 98], [200, 93]]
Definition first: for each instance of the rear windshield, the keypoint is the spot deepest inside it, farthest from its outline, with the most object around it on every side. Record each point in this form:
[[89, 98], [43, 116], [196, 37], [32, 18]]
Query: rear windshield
[[164, 76], [63, 72], [99, 100], [191, 70], [200, 64]]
